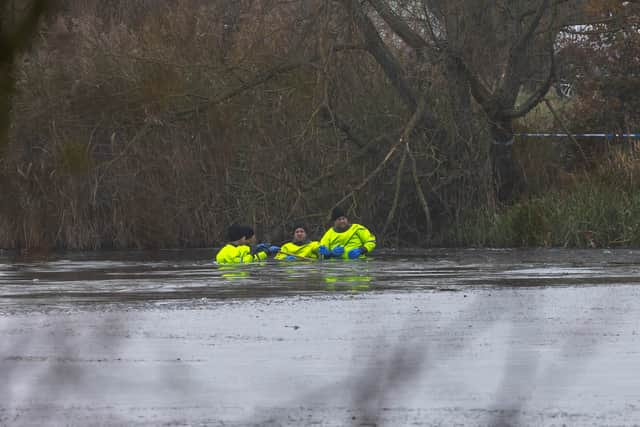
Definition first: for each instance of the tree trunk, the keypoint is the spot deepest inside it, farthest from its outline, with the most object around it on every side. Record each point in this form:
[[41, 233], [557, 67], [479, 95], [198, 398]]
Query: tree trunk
[[507, 179]]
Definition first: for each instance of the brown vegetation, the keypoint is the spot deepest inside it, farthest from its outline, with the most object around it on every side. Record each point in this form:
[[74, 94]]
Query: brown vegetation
[[156, 124]]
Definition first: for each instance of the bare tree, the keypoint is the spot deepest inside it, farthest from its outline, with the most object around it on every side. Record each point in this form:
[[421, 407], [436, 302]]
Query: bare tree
[[491, 52]]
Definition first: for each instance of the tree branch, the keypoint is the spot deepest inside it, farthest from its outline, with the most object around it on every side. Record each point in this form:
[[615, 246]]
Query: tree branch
[[539, 94], [399, 26], [256, 81], [556, 116], [481, 94], [421, 196], [339, 166], [376, 47], [411, 125], [396, 193], [511, 81]]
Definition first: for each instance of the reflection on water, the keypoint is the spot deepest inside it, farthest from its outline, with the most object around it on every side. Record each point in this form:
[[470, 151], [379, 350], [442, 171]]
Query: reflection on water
[[130, 277]]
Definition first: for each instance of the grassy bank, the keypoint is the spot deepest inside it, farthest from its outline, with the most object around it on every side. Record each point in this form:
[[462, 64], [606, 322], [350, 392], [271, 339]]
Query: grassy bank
[[599, 208]]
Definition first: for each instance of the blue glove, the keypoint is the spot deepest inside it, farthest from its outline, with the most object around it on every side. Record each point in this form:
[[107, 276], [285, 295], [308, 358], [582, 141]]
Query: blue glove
[[268, 248], [324, 251], [290, 258], [337, 251], [355, 253]]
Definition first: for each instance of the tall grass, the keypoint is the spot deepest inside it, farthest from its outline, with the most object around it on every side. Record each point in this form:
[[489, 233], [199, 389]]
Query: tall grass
[[147, 133], [599, 208]]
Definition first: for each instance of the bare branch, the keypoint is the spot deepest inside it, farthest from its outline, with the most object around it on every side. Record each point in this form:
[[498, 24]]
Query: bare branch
[[399, 26], [421, 197], [338, 166], [479, 91], [556, 116], [539, 94], [406, 134], [259, 79], [376, 47], [533, 11], [511, 81], [396, 193]]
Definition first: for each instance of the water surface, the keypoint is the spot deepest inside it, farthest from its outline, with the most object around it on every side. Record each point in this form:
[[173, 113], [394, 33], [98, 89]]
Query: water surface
[[438, 337], [127, 277]]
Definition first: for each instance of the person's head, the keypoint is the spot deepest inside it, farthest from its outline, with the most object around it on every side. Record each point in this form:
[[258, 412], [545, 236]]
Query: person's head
[[299, 233], [339, 218], [242, 234]]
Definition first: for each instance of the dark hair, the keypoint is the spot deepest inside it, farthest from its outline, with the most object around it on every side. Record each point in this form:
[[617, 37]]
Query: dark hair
[[237, 232], [336, 213], [296, 226]]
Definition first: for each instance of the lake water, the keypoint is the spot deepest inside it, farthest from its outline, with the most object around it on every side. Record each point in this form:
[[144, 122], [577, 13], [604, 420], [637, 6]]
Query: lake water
[[436, 337]]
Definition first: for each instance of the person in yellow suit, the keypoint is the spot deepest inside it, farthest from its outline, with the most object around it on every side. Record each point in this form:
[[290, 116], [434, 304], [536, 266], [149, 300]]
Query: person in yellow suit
[[300, 248], [242, 247], [345, 240]]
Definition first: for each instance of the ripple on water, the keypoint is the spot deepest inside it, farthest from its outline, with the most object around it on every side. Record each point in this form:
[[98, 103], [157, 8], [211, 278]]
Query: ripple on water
[[137, 277]]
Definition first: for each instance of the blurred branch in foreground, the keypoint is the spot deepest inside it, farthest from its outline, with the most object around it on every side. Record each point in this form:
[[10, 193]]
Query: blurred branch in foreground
[[17, 30]]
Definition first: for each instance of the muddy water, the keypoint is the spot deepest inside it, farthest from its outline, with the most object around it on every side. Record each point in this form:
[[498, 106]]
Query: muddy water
[[467, 337]]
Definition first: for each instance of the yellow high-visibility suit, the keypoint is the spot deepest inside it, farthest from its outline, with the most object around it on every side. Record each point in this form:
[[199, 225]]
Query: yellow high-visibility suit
[[241, 254], [356, 236], [303, 250]]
